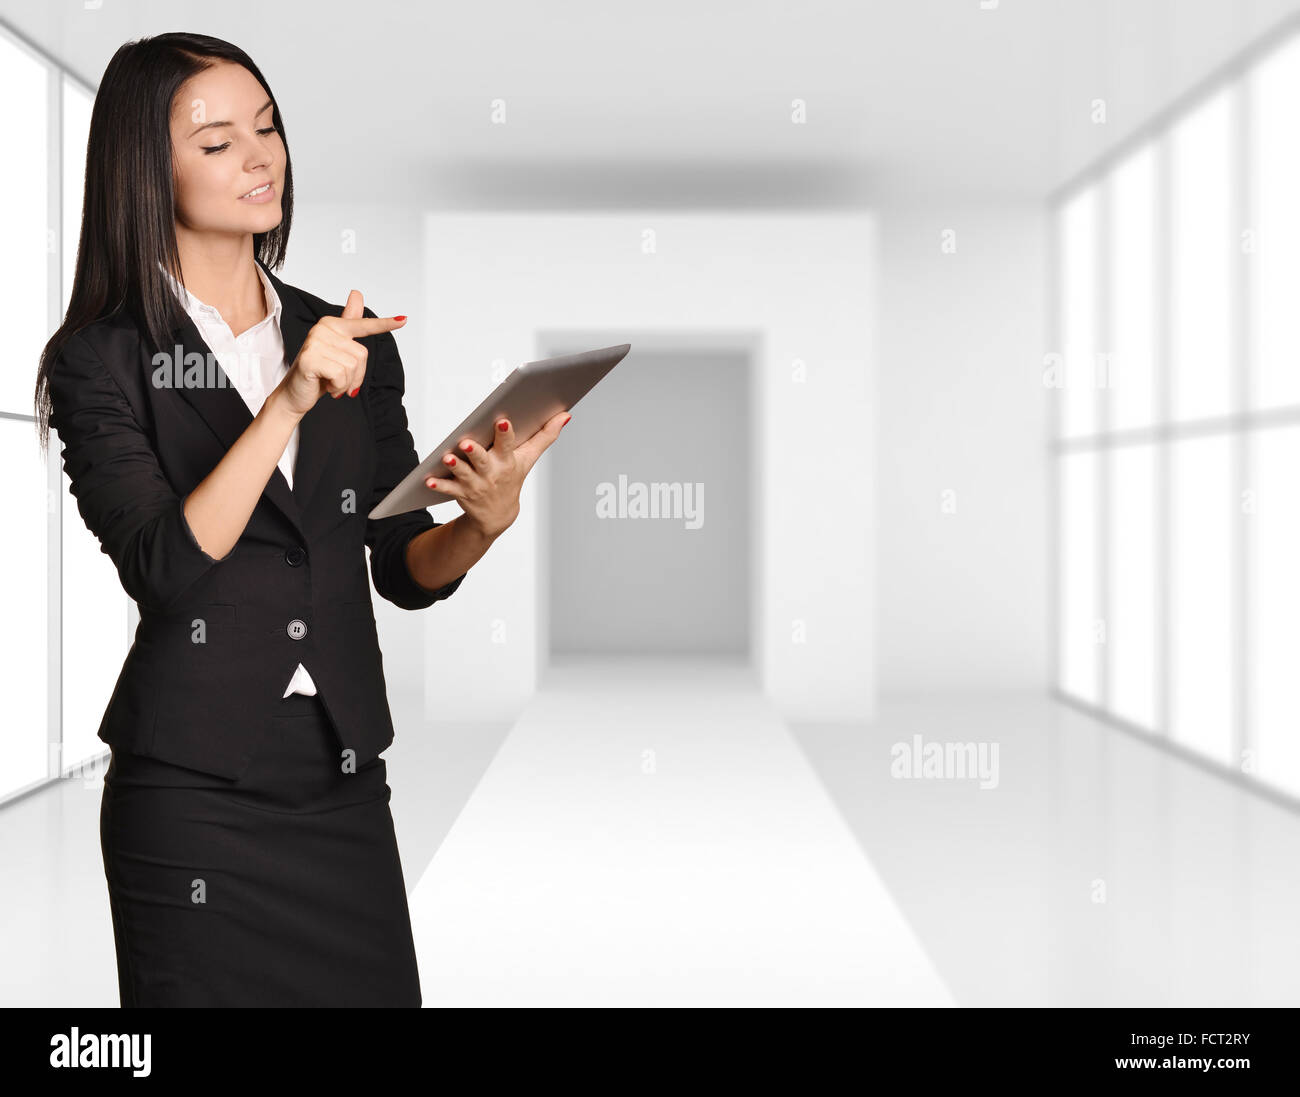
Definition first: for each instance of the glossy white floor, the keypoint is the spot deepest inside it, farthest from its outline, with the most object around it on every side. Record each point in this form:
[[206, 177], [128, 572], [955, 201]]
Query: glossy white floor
[[651, 832]]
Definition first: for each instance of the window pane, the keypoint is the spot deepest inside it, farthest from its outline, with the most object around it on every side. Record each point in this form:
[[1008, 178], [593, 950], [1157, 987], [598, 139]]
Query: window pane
[[1131, 288], [1078, 277], [1275, 262], [76, 131], [1077, 551], [23, 182], [24, 707], [1275, 683], [1203, 246], [1200, 590], [1131, 631]]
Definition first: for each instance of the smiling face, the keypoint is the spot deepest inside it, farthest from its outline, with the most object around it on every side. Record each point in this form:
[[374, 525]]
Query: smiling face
[[223, 146]]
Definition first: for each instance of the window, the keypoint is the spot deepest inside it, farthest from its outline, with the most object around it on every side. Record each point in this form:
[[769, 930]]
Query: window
[[1177, 434], [68, 626]]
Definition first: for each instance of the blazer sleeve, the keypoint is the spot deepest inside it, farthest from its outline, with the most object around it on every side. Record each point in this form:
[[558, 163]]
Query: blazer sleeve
[[387, 538], [122, 493]]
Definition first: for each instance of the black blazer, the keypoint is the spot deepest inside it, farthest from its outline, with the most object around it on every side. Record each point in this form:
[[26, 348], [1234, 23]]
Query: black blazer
[[218, 640]]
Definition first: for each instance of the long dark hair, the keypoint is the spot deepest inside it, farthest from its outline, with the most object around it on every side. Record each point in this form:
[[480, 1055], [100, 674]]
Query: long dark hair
[[128, 221]]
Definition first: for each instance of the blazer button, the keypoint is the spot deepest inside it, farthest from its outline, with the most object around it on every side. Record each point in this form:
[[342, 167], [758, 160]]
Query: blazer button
[[297, 629], [294, 556]]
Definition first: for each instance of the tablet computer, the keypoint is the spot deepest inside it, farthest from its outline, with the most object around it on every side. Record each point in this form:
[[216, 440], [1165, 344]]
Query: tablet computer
[[530, 396]]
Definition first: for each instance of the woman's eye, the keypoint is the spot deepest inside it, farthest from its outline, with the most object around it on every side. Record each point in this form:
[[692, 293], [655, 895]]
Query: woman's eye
[[219, 148]]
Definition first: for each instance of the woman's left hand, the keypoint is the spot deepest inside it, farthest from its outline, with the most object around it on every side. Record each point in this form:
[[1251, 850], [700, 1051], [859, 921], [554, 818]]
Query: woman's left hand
[[486, 482]]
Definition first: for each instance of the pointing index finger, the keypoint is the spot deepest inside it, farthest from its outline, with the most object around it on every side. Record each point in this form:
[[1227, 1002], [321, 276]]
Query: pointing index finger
[[366, 325]]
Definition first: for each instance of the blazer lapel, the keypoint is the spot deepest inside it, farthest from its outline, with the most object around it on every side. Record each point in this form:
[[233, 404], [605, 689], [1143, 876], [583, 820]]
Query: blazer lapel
[[296, 319], [225, 412]]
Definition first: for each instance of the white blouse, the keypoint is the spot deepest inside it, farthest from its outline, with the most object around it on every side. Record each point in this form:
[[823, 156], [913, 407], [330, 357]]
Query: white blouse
[[254, 359]]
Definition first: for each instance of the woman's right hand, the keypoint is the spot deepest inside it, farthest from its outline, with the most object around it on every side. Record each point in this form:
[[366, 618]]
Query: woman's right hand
[[331, 360]]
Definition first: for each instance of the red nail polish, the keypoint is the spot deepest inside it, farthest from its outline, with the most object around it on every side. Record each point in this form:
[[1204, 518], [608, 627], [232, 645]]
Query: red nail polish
[[355, 391], [399, 317], [566, 419], [451, 460], [501, 426], [466, 446]]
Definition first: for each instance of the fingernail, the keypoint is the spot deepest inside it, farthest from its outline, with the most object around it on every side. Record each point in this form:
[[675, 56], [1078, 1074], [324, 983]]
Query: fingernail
[[503, 424], [399, 317], [566, 419], [355, 391], [466, 446], [449, 459], [337, 395]]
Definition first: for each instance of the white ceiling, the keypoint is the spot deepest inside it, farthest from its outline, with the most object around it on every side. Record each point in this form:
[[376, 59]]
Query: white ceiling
[[688, 104]]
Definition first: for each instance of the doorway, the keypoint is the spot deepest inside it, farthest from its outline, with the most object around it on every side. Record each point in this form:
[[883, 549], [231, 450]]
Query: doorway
[[650, 523]]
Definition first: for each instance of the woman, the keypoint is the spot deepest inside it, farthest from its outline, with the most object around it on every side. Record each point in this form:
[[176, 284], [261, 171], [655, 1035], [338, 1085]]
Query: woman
[[247, 839]]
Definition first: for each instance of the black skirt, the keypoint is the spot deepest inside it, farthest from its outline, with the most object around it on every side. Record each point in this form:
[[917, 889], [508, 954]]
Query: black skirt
[[283, 888]]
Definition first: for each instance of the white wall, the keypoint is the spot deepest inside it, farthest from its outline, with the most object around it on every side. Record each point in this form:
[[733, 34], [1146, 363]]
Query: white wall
[[799, 289], [963, 597], [963, 593]]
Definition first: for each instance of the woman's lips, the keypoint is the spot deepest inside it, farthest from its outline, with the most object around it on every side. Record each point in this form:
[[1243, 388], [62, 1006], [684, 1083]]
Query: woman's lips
[[263, 194]]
